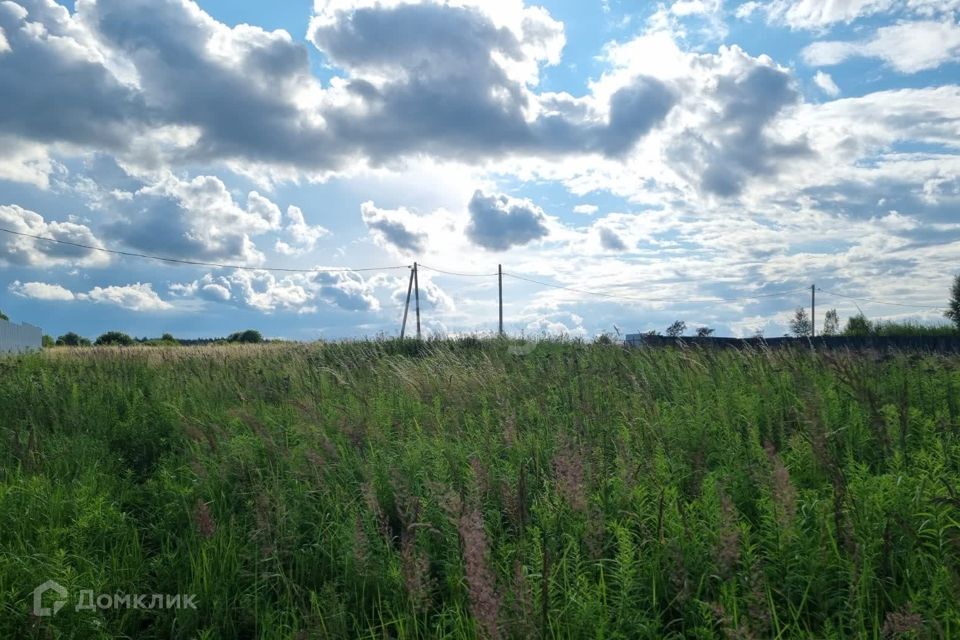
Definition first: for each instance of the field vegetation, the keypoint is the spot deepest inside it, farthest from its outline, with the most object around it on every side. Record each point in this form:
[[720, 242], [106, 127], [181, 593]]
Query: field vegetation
[[462, 489]]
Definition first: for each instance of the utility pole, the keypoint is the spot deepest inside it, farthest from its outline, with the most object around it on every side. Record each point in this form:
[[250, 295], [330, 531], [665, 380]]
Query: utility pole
[[416, 288], [813, 311], [406, 307], [500, 285]]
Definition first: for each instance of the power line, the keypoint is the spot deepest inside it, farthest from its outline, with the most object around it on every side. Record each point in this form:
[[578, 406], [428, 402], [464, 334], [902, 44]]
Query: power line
[[892, 304], [198, 263], [458, 273], [602, 294], [634, 299]]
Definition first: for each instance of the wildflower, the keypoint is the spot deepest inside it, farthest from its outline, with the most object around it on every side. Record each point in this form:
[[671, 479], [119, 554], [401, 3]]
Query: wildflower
[[484, 599], [728, 543], [204, 519], [899, 623], [415, 568], [569, 474], [784, 493]]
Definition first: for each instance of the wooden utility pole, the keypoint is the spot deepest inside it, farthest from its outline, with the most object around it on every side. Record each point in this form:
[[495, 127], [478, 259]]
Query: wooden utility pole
[[416, 288], [813, 311], [406, 307], [500, 285]]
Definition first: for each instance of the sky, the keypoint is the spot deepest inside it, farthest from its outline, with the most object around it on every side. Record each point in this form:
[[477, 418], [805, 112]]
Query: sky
[[627, 163]]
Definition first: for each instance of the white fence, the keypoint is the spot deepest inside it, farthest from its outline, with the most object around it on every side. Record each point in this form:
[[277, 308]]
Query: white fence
[[16, 338]]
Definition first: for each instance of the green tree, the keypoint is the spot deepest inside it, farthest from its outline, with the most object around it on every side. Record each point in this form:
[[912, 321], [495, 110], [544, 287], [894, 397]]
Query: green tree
[[831, 323], [704, 332], [114, 338], [71, 339], [858, 325], [47, 341], [953, 312], [250, 336], [3, 316], [800, 325], [676, 329]]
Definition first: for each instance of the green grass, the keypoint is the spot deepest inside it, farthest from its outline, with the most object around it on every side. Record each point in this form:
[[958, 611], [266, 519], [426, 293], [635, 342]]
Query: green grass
[[456, 490]]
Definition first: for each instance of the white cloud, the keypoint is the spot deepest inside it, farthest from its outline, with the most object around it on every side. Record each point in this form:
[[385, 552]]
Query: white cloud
[[26, 251], [41, 291], [586, 209], [498, 222], [199, 219], [303, 236], [817, 14], [23, 161], [397, 229], [826, 84], [907, 47], [299, 292], [135, 297]]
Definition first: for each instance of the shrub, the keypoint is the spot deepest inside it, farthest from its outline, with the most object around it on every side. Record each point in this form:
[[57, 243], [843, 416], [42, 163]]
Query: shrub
[[250, 336], [114, 338], [71, 339]]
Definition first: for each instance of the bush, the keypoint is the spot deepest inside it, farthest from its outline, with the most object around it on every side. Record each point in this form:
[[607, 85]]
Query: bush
[[250, 336], [71, 339], [114, 338]]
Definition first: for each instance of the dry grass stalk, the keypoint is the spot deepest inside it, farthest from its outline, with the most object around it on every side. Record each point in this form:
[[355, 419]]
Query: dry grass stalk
[[203, 518], [481, 582]]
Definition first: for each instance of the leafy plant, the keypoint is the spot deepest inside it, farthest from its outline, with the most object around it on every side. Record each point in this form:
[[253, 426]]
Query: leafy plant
[[953, 310], [800, 325], [461, 489], [114, 338], [676, 329]]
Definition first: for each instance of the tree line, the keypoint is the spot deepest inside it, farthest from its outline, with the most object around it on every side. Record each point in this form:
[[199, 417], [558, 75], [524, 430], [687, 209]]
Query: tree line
[[118, 338], [800, 326]]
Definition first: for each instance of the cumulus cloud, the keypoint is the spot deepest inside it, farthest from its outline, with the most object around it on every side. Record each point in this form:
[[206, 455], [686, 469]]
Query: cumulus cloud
[[610, 241], [199, 219], [586, 209], [396, 228], [20, 250], [41, 291], [724, 147], [826, 84], [907, 47], [23, 161], [58, 85], [498, 222], [135, 297], [161, 83], [815, 14], [299, 292], [303, 237]]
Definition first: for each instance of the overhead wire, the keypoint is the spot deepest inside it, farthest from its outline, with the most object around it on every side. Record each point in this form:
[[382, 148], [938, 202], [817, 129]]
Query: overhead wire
[[636, 299], [875, 301], [590, 292], [457, 273], [198, 263]]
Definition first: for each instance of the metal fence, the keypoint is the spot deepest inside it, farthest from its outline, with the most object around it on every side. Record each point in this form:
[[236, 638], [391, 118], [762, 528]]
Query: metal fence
[[17, 338]]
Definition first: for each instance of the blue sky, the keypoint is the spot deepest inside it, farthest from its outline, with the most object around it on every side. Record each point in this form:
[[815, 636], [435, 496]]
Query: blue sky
[[698, 160]]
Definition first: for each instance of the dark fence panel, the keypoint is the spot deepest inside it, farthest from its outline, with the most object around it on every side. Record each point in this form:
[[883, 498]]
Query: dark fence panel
[[941, 344]]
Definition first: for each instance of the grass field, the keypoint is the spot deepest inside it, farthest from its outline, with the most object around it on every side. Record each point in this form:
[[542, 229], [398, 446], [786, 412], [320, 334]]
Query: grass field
[[457, 490]]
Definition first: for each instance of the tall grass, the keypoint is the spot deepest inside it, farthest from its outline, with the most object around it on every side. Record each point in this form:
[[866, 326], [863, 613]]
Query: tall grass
[[457, 490]]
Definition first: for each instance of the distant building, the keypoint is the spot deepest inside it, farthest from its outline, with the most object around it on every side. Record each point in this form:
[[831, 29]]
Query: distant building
[[17, 338]]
